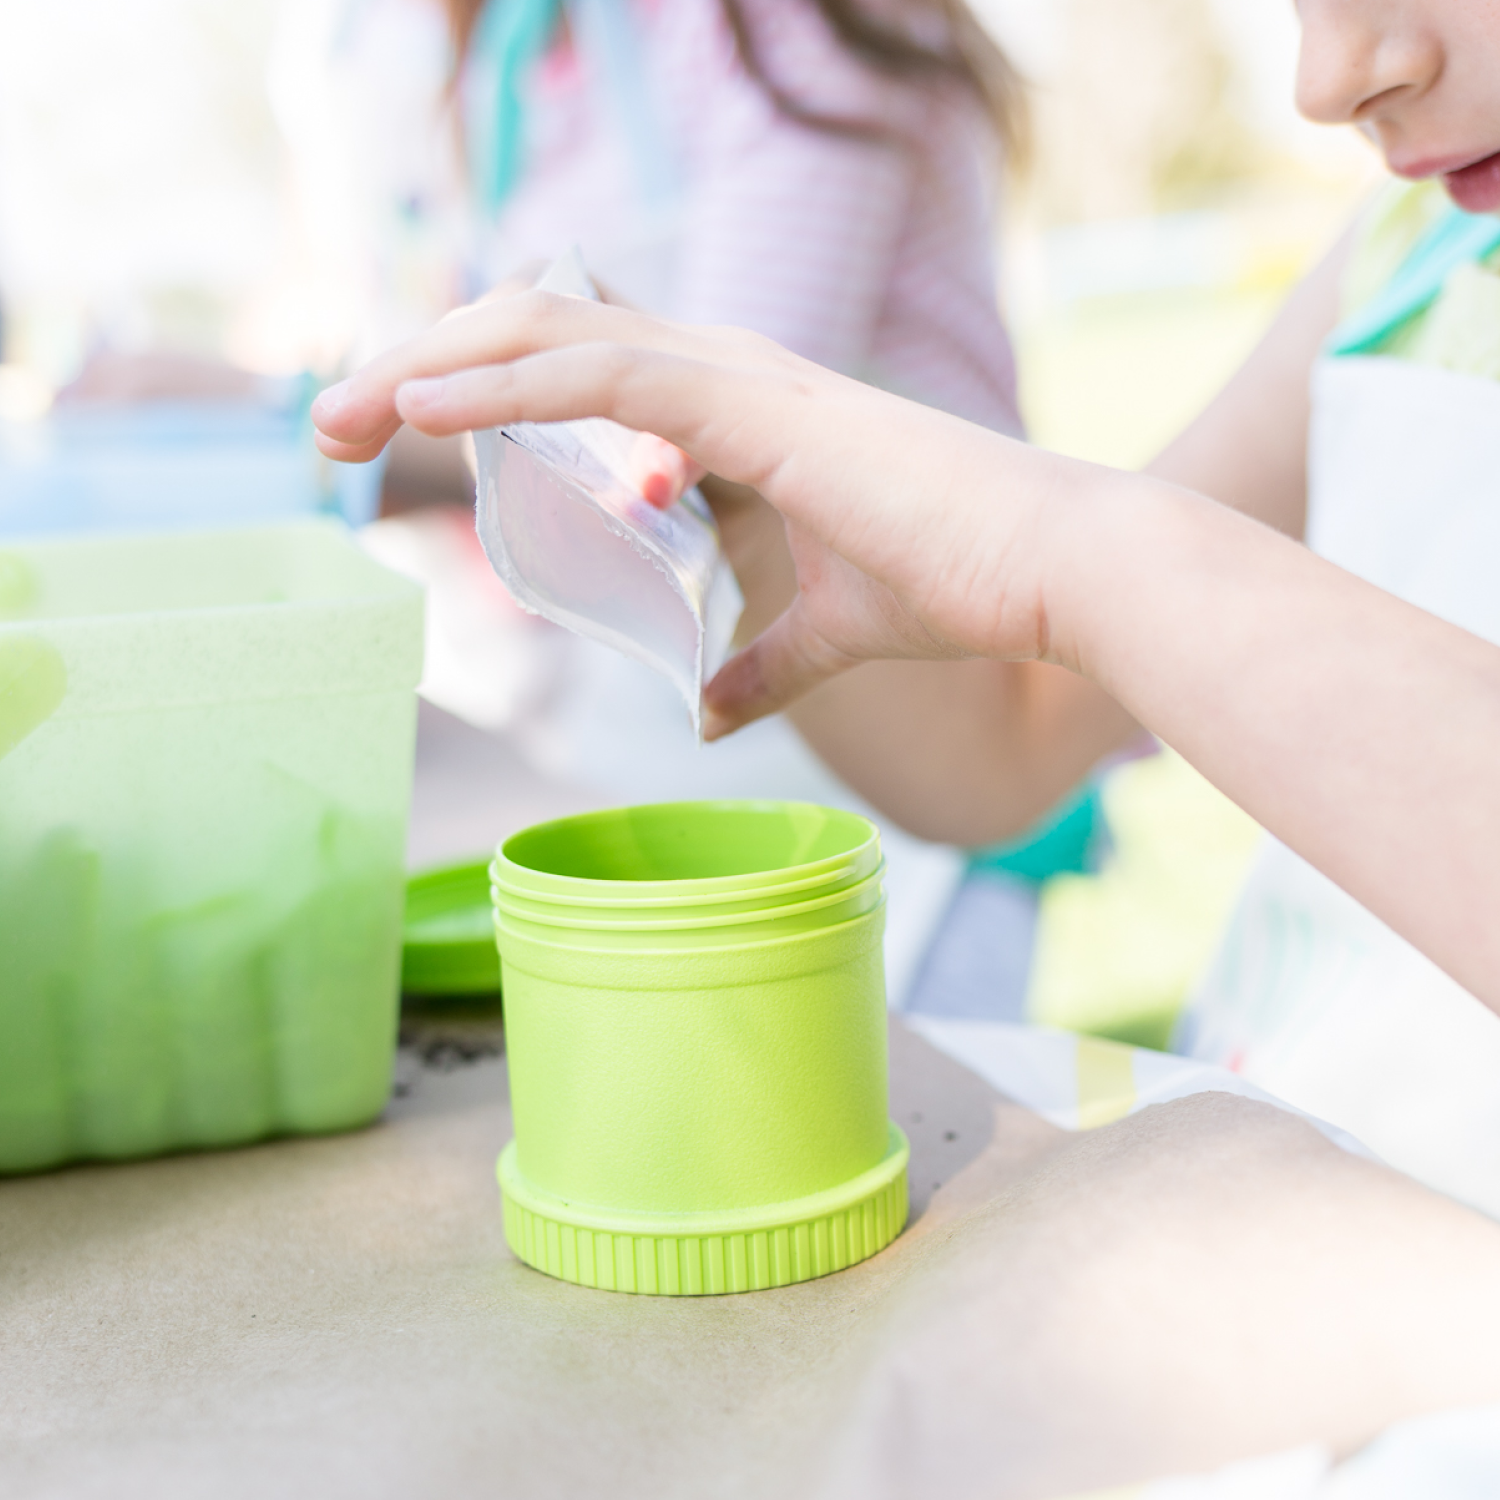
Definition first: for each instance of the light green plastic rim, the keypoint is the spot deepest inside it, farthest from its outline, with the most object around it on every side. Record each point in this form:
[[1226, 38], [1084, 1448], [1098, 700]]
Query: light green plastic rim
[[670, 942], [861, 897], [705, 1254], [851, 863], [850, 874]]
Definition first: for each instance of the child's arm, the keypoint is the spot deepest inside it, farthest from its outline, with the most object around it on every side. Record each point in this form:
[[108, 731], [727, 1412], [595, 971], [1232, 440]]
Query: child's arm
[[1359, 729], [975, 751], [966, 752]]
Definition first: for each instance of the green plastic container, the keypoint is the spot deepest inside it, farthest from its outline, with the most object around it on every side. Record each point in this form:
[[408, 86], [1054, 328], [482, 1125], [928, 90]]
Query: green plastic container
[[205, 769], [695, 1030], [448, 940]]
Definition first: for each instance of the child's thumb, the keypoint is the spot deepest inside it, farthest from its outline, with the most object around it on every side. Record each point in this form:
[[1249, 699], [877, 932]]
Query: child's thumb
[[787, 660]]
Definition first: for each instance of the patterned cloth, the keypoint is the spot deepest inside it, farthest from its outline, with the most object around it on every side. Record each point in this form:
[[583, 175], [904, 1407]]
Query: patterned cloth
[[1112, 937], [1423, 284]]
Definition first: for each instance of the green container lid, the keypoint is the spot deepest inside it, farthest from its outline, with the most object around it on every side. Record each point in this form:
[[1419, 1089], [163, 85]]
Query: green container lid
[[448, 941]]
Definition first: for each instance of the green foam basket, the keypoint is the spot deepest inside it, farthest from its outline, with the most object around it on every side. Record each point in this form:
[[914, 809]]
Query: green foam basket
[[695, 1031], [205, 769]]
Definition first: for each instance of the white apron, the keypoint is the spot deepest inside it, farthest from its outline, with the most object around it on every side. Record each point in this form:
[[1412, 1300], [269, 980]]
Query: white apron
[[1311, 997]]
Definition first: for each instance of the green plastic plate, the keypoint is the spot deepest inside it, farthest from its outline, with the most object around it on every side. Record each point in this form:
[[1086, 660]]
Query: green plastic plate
[[448, 943]]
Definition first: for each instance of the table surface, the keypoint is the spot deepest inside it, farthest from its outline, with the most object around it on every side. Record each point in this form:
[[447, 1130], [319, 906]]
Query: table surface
[[340, 1316]]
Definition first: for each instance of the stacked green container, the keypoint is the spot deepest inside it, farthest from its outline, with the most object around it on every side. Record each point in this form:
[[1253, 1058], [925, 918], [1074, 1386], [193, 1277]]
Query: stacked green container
[[695, 1027]]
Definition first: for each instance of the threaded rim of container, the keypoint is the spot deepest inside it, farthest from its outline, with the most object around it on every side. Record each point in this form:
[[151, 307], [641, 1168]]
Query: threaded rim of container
[[752, 854]]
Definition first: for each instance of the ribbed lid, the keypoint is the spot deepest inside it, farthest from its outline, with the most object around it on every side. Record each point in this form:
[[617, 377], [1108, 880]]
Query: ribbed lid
[[775, 1244]]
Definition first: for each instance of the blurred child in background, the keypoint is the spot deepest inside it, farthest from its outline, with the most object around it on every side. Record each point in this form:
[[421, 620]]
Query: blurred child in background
[[820, 171]]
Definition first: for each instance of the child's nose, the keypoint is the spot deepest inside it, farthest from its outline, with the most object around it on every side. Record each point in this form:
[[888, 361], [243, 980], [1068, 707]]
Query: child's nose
[[1357, 59]]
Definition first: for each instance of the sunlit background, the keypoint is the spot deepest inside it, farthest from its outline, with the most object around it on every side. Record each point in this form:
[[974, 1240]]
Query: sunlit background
[[1176, 196], [1173, 196]]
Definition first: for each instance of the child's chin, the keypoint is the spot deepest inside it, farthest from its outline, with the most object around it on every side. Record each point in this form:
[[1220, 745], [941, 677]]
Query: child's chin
[[1476, 189]]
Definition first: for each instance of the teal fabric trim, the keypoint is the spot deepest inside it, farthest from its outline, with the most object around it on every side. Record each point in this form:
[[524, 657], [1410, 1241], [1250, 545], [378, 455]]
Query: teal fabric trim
[[1065, 842], [304, 390], [510, 37], [1454, 239], [609, 27]]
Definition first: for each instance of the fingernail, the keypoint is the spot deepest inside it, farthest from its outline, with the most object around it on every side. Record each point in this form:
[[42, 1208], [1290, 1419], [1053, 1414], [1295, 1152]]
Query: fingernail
[[424, 392], [329, 402], [660, 490]]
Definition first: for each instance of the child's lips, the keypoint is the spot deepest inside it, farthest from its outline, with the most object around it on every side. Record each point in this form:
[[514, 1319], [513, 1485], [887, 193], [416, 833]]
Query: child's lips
[[1476, 187]]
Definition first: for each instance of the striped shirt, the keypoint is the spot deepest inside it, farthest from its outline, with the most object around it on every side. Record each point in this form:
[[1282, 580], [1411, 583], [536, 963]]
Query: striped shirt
[[871, 258]]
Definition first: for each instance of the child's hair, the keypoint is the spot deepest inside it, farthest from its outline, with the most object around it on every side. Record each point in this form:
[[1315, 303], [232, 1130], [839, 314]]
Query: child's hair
[[971, 59]]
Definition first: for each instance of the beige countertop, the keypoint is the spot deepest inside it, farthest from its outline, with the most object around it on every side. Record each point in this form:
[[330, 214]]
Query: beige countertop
[[340, 1317]]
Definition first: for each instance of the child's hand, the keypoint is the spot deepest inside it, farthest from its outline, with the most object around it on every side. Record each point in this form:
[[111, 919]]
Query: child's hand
[[902, 545], [660, 470]]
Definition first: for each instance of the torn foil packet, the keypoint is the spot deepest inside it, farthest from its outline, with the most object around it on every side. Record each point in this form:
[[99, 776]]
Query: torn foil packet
[[574, 540]]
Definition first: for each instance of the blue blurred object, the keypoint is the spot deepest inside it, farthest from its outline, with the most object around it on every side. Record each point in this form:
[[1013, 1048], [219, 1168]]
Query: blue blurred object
[[1067, 841], [164, 465], [509, 37]]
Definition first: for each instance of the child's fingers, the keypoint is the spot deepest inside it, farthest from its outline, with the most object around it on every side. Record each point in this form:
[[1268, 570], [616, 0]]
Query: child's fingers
[[362, 410], [444, 404], [583, 380], [789, 659], [355, 453], [681, 399]]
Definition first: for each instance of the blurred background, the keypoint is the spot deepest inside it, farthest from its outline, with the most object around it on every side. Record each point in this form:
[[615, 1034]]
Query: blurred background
[[146, 200], [1176, 196], [170, 180]]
